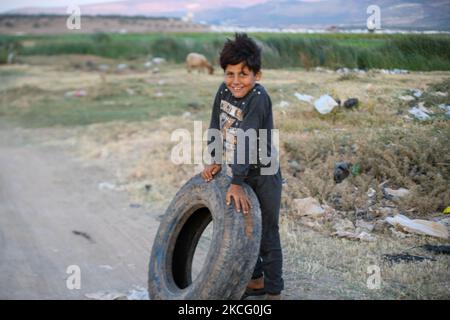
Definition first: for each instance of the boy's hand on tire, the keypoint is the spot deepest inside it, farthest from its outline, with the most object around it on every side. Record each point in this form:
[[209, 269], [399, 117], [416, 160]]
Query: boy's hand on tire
[[241, 200], [210, 171]]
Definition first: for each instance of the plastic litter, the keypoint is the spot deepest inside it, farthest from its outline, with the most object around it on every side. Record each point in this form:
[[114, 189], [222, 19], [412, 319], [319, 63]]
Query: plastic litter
[[356, 169], [418, 226], [417, 93], [325, 104], [446, 108], [304, 97], [405, 257], [341, 171], [419, 114], [437, 249], [351, 103]]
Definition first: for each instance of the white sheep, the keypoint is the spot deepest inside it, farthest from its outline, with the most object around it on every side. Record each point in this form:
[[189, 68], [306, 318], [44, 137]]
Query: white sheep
[[199, 62]]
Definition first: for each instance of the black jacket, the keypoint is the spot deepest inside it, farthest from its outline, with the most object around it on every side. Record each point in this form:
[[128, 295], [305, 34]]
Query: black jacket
[[254, 111]]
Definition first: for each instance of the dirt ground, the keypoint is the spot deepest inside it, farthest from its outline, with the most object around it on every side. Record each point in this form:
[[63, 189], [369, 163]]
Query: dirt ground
[[53, 215], [56, 213], [18, 25], [90, 194]]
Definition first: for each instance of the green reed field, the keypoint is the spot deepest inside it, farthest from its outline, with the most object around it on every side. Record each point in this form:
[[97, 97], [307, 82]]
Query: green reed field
[[412, 52]]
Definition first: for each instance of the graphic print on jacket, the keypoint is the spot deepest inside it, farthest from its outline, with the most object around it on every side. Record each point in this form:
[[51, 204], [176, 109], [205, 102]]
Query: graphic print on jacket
[[230, 118], [245, 127]]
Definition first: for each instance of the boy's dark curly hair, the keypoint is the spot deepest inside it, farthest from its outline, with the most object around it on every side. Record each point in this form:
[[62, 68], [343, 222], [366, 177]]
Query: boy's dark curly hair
[[241, 49]]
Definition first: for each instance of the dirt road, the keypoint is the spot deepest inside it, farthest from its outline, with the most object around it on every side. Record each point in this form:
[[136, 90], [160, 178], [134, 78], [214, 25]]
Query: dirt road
[[54, 215]]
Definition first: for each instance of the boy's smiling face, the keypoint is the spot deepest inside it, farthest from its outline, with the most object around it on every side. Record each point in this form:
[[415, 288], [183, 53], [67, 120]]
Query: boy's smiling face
[[239, 79]]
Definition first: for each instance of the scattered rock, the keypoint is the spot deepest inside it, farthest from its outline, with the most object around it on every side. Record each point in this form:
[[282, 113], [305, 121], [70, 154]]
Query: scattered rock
[[106, 295], [393, 71], [138, 294], [343, 225], [371, 193], [399, 71], [106, 267], [309, 207], [444, 220], [295, 166], [122, 66], [399, 234], [393, 194], [158, 60], [381, 226], [363, 236], [90, 65], [407, 98], [103, 67], [323, 70], [109, 186], [364, 225], [385, 211], [312, 223], [283, 104]]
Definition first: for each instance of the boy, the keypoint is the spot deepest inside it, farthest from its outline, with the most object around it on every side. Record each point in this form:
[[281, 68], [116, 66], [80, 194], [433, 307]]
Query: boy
[[241, 103]]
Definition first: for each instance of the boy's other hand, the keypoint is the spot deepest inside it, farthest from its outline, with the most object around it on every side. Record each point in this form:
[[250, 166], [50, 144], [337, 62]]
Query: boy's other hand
[[210, 171], [241, 200]]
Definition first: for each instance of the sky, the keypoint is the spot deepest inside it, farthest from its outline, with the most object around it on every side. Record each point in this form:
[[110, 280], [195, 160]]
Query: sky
[[15, 4]]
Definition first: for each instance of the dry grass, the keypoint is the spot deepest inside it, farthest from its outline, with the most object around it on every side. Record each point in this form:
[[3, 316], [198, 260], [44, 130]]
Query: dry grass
[[376, 135], [338, 267]]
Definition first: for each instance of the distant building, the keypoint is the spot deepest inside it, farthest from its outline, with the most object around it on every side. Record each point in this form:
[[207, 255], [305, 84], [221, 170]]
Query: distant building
[[332, 29], [189, 17]]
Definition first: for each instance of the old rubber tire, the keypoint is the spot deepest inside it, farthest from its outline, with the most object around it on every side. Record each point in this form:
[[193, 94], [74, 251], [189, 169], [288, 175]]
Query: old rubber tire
[[232, 254]]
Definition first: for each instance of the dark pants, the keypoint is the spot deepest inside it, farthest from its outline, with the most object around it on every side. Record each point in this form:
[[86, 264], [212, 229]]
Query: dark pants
[[270, 261]]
